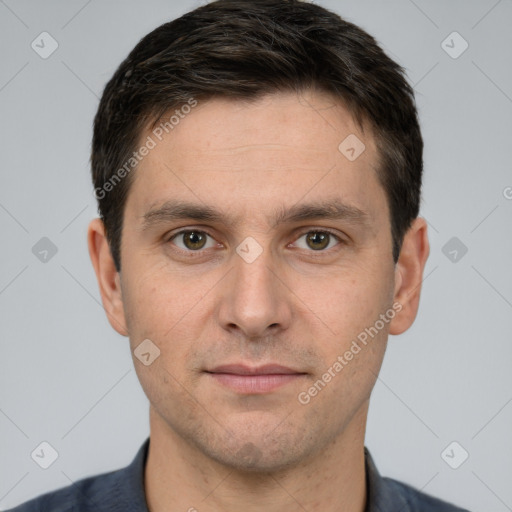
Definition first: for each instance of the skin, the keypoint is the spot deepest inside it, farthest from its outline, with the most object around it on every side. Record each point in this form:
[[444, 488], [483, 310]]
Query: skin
[[213, 448]]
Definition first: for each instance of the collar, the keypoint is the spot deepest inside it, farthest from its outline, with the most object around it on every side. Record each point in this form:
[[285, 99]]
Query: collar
[[379, 495], [131, 495]]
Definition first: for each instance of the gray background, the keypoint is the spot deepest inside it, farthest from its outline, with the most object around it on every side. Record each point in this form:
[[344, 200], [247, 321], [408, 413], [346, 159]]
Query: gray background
[[66, 377]]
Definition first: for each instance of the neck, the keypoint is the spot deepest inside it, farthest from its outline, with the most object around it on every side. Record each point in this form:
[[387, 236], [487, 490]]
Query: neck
[[179, 477]]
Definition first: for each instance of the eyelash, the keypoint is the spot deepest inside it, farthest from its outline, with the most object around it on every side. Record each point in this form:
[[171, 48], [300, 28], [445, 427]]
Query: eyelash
[[200, 252]]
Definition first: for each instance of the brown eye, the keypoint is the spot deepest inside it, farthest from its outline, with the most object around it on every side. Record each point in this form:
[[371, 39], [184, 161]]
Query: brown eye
[[317, 240], [192, 240]]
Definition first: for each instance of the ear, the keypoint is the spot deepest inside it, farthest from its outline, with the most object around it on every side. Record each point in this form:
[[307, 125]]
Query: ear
[[409, 275], [108, 278]]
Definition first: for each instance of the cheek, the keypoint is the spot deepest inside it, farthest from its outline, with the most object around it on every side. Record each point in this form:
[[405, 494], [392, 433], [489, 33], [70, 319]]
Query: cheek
[[347, 301], [158, 309], [171, 310], [351, 349], [157, 301]]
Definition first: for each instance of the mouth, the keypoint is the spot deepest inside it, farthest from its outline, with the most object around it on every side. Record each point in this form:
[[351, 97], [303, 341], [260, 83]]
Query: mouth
[[253, 380]]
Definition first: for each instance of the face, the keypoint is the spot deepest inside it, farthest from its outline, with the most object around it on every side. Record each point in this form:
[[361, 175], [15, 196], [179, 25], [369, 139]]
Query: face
[[254, 253]]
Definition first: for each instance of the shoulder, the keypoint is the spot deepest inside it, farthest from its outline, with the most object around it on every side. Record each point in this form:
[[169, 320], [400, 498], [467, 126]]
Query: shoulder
[[121, 490], [89, 494], [389, 495], [417, 500]]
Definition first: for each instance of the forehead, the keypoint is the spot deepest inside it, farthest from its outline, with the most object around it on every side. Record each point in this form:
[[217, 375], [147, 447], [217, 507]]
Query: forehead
[[276, 150], [315, 122]]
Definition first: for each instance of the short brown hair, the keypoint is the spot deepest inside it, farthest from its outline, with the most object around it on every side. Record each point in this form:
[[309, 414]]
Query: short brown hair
[[244, 49]]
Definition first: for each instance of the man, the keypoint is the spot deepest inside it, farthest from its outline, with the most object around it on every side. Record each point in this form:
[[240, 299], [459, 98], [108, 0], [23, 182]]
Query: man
[[258, 171]]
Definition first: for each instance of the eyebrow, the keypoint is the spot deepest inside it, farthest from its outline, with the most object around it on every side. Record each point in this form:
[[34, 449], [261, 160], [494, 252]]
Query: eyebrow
[[328, 210]]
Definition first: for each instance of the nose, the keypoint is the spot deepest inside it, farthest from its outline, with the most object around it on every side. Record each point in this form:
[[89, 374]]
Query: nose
[[255, 300]]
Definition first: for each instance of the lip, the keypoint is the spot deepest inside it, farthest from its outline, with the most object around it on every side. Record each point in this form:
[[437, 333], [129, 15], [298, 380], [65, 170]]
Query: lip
[[254, 379], [242, 369]]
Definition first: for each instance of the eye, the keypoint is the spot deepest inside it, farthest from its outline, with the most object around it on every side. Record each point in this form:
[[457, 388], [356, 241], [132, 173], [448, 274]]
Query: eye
[[317, 240], [192, 240]]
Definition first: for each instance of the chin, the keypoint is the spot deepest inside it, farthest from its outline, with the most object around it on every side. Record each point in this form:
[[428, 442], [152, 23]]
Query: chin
[[251, 458], [257, 452]]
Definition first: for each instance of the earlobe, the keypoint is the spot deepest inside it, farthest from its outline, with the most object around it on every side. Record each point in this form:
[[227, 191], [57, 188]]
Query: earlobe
[[409, 275], [107, 276]]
